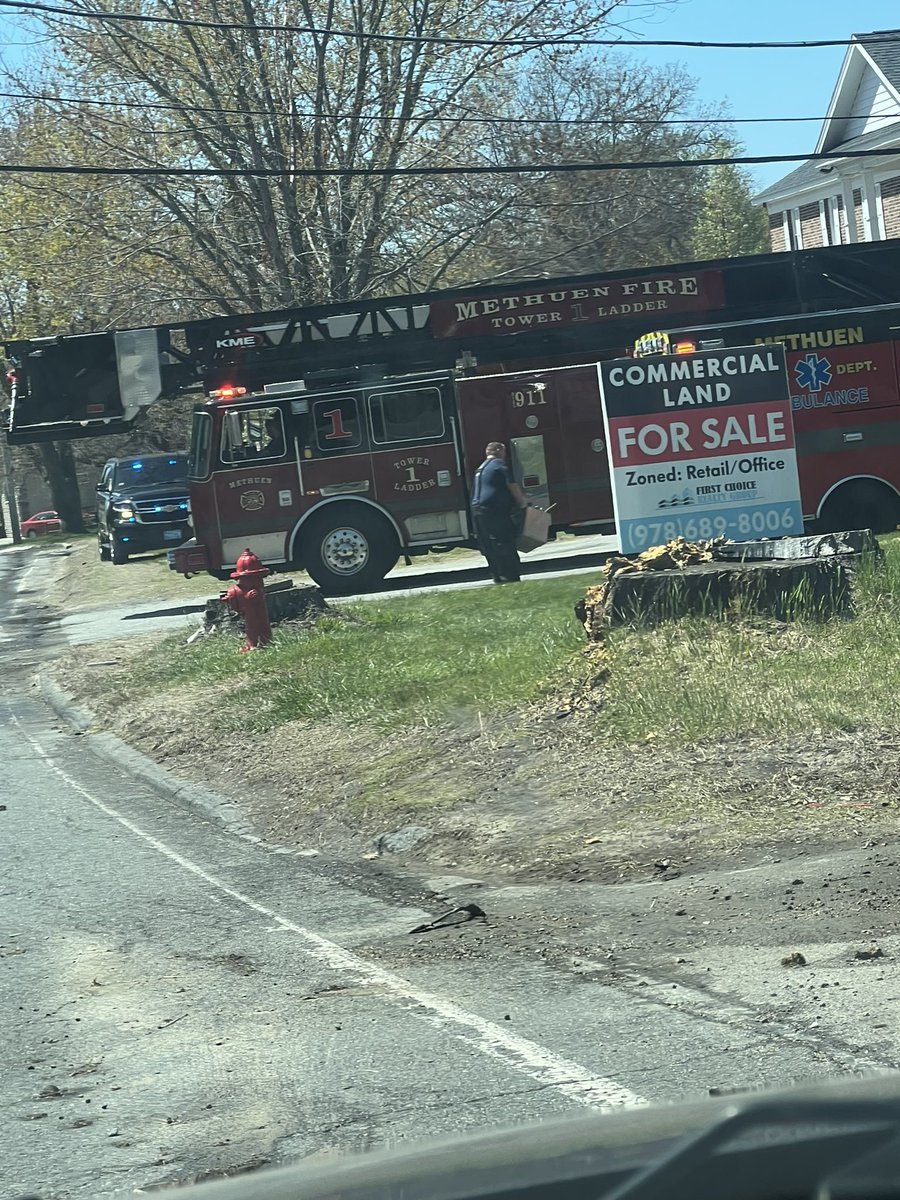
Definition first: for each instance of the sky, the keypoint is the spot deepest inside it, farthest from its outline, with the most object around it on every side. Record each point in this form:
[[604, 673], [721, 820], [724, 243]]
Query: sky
[[752, 83], [765, 83]]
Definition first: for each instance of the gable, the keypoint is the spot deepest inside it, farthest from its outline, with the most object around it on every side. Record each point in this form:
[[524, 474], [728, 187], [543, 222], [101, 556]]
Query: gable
[[873, 105], [867, 92]]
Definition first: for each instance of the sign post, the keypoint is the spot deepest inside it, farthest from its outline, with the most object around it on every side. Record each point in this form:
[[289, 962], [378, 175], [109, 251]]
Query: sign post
[[701, 446]]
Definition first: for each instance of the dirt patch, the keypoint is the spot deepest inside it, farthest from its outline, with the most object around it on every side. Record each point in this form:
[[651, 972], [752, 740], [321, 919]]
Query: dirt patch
[[532, 796]]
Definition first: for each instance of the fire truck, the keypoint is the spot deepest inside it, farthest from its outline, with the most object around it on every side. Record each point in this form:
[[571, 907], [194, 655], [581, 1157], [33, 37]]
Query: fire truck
[[337, 438]]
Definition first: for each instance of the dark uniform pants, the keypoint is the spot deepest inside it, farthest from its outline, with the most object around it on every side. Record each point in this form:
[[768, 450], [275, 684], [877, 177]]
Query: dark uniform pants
[[496, 533]]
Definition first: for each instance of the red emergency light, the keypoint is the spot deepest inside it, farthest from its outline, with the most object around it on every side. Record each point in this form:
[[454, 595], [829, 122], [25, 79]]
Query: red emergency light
[[228, 393]]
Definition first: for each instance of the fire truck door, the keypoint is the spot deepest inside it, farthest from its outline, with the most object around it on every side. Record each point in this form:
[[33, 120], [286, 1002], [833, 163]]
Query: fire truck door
[[553, 423], [393, 445], [416, 462], [256, 483]]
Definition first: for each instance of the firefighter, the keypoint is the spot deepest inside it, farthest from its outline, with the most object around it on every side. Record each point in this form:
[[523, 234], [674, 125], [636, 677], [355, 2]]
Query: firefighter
[[497, 504], [274, 445]]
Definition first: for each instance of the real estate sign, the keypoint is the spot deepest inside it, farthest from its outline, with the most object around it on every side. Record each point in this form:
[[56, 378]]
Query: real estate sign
[[701, 446]]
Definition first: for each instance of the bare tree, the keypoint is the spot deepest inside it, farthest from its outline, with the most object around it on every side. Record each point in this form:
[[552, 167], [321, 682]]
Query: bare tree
[[598, 109], [244, 95]]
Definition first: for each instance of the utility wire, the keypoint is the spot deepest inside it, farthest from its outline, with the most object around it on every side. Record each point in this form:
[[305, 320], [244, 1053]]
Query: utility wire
[[358, 35], [460, 118], [666, 164]]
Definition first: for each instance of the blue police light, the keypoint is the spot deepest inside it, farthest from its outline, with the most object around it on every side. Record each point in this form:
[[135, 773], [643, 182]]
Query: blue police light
[[137, 466], [173, 462]]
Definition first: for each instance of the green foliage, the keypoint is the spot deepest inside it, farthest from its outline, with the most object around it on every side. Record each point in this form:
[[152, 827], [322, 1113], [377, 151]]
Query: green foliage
[[127, 251], [729, 225]]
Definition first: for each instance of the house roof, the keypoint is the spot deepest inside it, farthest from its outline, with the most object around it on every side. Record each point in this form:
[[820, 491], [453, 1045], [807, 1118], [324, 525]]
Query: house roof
[[810, 173], [883, 47], [875, 53]]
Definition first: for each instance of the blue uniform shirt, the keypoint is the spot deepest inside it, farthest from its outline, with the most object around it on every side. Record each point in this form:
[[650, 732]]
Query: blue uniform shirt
[[491, 485]]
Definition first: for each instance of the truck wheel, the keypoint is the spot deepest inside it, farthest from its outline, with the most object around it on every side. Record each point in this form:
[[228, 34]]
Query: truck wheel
[[119, 553], [347, 548], [103, 547], [861, 504]]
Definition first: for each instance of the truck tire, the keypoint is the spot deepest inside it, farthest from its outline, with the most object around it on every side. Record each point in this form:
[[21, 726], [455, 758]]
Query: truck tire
[[860, 504], [348, 548], [119, 553], [104, 550]]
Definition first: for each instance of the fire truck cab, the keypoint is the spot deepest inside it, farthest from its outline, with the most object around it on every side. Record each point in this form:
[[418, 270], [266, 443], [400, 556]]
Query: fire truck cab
[[340, 477], [335, 479]]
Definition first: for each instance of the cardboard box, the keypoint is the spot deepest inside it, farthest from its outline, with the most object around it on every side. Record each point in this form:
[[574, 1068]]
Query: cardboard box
[[535, 531]]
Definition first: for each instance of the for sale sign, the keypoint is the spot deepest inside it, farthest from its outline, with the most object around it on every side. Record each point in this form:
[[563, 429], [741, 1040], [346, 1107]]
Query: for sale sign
[[701, 446]]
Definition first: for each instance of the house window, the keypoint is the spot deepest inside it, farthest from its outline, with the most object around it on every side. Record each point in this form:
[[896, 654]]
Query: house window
[[843, 231], [791, 228], [890, 206], [810, 225], [777, 235], [858, 218]]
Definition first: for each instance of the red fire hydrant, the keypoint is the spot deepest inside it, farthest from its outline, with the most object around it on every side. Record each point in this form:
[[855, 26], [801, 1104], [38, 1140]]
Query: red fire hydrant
[[248, 597]]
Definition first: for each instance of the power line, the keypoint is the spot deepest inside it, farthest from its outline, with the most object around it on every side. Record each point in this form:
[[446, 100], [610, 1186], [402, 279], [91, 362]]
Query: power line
[[509, 169], [460, 118], [148, 104], [357, 35]]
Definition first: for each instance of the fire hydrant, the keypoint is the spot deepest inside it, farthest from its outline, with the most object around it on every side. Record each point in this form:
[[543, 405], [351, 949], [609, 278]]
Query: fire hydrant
[[247, 596]]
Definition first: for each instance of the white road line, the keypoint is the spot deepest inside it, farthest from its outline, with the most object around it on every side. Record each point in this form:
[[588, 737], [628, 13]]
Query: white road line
[[568, 1078]]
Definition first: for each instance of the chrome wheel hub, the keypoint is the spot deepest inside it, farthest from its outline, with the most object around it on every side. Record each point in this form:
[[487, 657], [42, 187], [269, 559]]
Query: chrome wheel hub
[[345, 551]]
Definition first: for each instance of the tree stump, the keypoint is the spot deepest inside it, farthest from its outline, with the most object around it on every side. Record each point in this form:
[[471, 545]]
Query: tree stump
[[811, 588], [284, 601]]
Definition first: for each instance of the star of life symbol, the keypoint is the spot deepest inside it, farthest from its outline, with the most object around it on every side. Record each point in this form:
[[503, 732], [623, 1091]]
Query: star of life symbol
[[813, 373]]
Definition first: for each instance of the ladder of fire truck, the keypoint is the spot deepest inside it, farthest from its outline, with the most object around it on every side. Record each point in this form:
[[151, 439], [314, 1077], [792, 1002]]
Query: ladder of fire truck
[[87, 385]]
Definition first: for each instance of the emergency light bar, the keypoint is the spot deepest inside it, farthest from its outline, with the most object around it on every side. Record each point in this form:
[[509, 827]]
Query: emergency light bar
[[227, 393], [662, 343]]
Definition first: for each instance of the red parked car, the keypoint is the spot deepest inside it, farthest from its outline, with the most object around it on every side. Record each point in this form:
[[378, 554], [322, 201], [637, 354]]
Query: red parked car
[[40, 524]]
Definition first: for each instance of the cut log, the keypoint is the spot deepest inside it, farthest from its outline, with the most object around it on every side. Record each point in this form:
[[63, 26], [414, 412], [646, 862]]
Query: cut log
[[852, 543]]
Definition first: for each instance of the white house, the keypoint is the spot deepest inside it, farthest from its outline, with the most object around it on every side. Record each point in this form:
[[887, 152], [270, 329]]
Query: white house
[[824, 203]]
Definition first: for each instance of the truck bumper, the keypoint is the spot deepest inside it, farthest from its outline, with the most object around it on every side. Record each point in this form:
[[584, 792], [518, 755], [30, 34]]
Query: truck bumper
[[137, 536], [189, 559]]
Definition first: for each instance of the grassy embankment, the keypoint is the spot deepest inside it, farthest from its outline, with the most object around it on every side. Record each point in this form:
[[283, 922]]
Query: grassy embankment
[[428, 660], [146, 578]]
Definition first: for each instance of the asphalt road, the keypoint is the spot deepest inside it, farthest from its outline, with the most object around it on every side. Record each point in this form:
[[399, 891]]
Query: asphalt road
[[184, 1001]]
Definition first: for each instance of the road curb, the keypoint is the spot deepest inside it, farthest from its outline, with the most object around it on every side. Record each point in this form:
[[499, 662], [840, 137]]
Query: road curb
[[111, 748]]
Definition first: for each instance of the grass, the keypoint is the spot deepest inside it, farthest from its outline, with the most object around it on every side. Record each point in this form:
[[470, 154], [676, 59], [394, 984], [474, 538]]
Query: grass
[[145, 579], [461, 657], [407, 661], [701, 679]]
